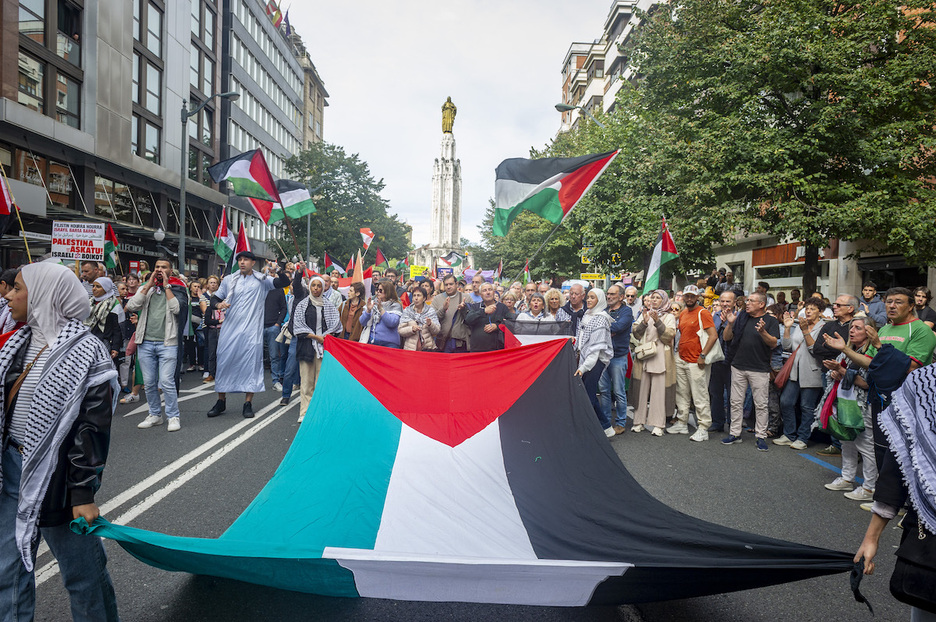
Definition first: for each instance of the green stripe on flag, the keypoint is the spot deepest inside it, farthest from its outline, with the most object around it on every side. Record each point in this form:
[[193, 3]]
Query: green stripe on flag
[[245, 187], [545, 203]]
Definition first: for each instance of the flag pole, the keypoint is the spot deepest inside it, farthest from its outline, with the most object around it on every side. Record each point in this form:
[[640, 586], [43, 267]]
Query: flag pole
[[19, 218], [291, 233], [556, 228]]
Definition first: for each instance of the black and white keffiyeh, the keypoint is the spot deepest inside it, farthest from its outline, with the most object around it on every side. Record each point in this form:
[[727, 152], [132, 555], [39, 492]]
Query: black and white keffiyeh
[[910, 426], [410, 314], [326, 310], [77, 360]]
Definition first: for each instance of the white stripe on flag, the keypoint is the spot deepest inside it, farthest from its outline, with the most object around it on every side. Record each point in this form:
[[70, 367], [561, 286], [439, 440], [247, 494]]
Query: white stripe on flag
[[509, 193], [452, 500]]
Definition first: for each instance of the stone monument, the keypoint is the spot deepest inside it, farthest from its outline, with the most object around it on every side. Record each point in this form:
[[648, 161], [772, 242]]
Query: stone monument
[[446, 196]]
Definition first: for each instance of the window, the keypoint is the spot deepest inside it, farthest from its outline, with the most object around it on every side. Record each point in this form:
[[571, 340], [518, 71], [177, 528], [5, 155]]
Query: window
[[49, 59], [68, 97], [147, 89], [31, 82], [32, 20]]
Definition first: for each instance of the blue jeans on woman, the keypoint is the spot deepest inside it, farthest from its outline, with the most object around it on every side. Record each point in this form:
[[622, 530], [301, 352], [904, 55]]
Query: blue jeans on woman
[[807, 397], [81, 560], [590, 379], [613, 388]]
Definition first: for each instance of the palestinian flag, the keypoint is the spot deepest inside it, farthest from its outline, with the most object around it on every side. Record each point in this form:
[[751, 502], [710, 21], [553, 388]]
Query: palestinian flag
[[452, 259], [549, 187], [249, 176], [296, 202], [526, 272], [350, 268], [379, 259], [110, 248], [496, 499], [224, 238], [331, 264], [663, 251], [367, 236], [403, 264], [499, 271], [243, 244]]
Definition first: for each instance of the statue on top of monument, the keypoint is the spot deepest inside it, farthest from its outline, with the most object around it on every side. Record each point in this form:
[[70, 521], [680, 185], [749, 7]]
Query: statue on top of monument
[[448, 115]]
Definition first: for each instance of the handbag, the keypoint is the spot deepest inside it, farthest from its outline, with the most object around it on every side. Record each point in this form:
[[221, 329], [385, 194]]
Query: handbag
[[131, 345], [716, 354], [645, 350], [784, 374]]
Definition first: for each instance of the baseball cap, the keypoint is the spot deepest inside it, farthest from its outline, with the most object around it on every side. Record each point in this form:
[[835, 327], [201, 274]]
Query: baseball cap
[[690, 289]]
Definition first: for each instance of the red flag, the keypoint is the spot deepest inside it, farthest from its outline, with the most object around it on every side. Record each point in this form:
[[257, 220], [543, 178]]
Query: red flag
[[243, 244], [350, 268], [368, 236], [6, 206]]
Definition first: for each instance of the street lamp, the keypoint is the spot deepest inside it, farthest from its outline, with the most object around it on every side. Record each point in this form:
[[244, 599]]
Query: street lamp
[[186, 115], [570, 107]]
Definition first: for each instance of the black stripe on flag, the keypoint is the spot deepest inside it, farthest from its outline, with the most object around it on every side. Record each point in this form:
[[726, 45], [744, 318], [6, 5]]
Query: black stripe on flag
[[535, 171], [578, 502]]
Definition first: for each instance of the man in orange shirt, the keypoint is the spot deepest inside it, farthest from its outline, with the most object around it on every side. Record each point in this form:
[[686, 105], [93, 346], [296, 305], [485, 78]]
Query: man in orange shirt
[[692, 374]]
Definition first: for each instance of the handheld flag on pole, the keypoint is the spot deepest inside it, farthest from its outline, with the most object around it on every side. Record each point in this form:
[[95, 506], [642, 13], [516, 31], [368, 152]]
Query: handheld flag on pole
[[110, 248], [499, 271], [550, 187], [663, 251], [452, 259], [526, 272], [243, 244], [380, 259], [367, 236], [224, 238], [7, 207], [295, 202], [350, 268], [331, 264], [249, 176]]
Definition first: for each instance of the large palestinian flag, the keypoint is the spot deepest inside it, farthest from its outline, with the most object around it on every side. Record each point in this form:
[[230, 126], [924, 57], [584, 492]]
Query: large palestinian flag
[[249, 176], [549, 187], [663, 251], [514, 496], [296, 202]]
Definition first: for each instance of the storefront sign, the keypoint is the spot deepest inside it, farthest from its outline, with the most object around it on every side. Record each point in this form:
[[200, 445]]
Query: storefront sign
[[79, 241], [32, 235]]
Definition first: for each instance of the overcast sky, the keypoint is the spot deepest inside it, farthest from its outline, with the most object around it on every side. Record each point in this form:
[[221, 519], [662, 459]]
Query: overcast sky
[[388, 67]]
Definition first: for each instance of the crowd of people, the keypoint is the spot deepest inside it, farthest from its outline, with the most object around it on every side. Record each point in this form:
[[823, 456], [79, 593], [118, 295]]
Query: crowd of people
[[707, 359]]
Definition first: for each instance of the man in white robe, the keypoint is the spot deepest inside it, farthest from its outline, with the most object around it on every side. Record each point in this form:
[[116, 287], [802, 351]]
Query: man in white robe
[[240, 342]]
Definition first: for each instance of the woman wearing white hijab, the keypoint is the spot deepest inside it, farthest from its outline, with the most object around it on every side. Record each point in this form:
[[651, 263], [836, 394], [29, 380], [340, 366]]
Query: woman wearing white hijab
[[593, 342], [104, 320], [314, 317], [58, 396]]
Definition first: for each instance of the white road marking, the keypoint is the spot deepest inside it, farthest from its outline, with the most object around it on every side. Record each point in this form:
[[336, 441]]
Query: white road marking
[[51, 569], [144, 407]]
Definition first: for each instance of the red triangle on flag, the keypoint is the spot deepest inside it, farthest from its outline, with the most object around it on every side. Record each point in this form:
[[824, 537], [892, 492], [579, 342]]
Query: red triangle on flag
[[243, 244]]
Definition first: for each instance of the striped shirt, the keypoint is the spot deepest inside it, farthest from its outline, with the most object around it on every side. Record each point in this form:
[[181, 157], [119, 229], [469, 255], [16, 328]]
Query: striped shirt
[[20, 415]]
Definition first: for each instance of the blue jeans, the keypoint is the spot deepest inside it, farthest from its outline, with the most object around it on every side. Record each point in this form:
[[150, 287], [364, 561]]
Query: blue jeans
[[158, 364], [807, 397], [290, 370], [720, 394], [590, 380], [613, 381], [81, 559], [276, 351]]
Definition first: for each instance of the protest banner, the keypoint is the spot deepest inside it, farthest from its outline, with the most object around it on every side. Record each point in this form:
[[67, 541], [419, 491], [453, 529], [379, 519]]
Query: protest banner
[[78, 241]]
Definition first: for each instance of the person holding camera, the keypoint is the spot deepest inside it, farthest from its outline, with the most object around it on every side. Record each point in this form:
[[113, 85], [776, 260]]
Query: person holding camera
[[157, 342]]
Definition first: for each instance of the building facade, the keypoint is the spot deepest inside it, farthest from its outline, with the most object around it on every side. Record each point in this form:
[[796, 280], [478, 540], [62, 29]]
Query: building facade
[[314, 95]]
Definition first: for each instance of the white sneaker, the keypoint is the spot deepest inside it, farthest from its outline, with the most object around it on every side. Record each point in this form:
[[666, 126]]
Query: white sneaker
[[657, 432], [637, 428], [798, 445], [840, 483], [277, 386], [301, 417], [679, 427], [699, 436], [174, 424], [609, 432], [860, 494], [150, 421], [783, 441], [204, 375]]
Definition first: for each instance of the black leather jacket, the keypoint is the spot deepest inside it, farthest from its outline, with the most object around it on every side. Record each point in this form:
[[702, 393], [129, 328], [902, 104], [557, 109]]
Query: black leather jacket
[[82, 455]]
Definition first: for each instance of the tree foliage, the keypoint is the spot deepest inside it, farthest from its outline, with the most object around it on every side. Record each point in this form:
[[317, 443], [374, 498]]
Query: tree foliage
[[805, 119], [348, 199]]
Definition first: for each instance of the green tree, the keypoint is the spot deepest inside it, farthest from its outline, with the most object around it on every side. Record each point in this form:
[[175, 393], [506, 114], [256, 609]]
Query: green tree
[[347, 198], [806, 119]]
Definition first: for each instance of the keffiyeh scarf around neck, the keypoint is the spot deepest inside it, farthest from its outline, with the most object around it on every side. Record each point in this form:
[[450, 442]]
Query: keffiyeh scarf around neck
[[910, 426], [99, 312], [410, 314], [77, 360]]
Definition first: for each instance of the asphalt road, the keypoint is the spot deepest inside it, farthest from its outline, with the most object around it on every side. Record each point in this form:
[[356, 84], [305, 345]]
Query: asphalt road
[[195, 482]]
